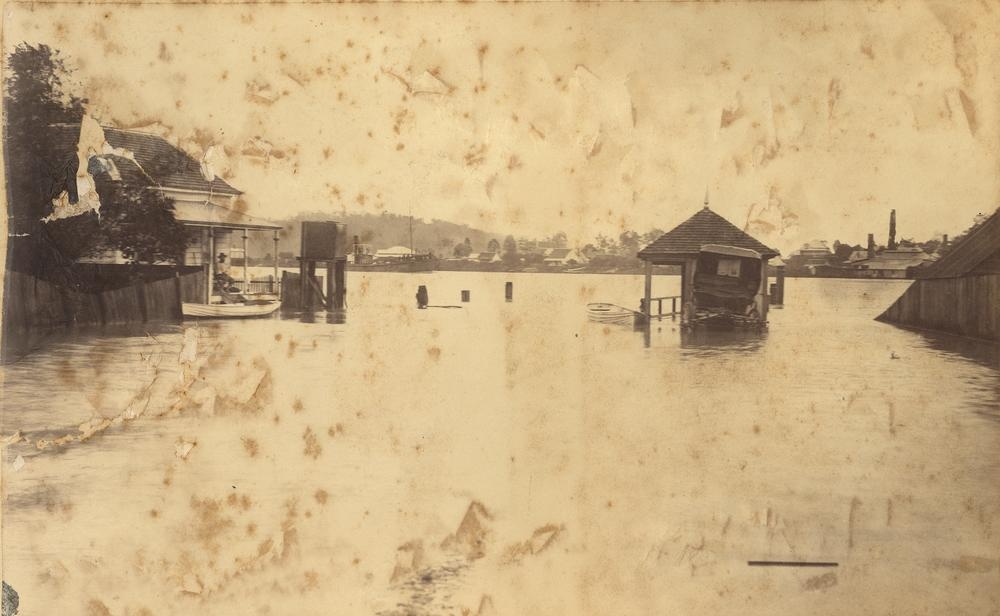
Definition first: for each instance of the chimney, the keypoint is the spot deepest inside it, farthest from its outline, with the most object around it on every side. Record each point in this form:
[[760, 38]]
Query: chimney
[[892, 230], [944, 240], [871, 245]]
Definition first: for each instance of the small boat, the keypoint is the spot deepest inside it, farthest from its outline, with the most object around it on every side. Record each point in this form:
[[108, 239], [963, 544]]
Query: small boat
[[258, 308], [609, 313]]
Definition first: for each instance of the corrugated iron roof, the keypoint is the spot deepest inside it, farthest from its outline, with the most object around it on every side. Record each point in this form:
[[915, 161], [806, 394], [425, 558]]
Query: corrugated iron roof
[[164, 165], [705, 227], [980, 244], [212, 215]]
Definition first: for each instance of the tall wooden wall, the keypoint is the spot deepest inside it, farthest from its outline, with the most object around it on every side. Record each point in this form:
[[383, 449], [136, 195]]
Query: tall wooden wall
[[968, 306], [101, 295]]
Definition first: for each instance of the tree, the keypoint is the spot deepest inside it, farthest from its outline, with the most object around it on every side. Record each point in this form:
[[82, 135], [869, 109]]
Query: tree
[[607, 244], [510, 250], [930, 246], [140, 223], [133, 219], [462, 250], [651, 236], [37, 169], [842, 252], [493, 246], [629, 241]]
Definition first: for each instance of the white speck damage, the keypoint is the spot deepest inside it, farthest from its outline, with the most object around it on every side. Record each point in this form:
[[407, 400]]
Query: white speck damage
[[91, 144]]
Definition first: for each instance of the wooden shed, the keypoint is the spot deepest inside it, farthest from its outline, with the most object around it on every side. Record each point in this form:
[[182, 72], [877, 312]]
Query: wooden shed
[[684, 244], [960, 292]]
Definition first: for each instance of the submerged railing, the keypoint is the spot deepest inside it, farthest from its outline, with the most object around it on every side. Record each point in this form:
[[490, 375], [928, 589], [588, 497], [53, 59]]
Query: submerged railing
[[659, 306], [259, 286]]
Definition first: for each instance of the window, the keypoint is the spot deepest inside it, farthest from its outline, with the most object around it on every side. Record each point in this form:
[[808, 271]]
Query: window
[[194, 254], [729, 267]]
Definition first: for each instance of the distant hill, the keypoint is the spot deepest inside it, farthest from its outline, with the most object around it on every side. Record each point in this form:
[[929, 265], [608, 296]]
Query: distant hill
[[381, 231]]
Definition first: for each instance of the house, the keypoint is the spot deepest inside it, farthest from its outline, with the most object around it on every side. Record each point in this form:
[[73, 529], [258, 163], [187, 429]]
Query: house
[[812, 255], [683, 246], [205, 204], [484, 257], [894, 263], [857, 255], [561, 257], [957, 293]]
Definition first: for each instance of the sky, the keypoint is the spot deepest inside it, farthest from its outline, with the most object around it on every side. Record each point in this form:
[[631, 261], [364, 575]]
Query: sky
[[800, 120]]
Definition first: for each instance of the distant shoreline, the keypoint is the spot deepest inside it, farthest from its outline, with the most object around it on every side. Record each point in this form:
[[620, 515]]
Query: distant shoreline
[[660, 270]]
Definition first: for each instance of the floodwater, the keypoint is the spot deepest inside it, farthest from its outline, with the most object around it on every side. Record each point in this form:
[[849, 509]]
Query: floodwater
[[506, 458]]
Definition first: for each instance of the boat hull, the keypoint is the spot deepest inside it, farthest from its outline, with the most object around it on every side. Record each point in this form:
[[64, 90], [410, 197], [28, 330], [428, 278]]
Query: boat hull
[[228, 311], [609, 313]]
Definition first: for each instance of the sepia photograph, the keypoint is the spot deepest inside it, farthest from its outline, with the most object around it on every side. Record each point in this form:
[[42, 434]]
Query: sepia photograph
[[500, 308]]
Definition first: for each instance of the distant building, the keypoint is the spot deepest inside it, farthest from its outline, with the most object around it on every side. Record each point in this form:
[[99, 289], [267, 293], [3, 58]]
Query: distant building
[[890, 263], [484, 257], [857, 255], [958, 293], [563, 257], [806, 259]]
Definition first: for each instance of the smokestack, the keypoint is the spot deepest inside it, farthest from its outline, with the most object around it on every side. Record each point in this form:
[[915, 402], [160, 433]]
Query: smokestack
[[871, 245], [892, 230], [944, 240]]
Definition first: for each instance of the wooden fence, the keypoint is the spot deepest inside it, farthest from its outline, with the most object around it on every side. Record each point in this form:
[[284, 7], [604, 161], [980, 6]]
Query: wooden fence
[[100, 295], [968, 306]]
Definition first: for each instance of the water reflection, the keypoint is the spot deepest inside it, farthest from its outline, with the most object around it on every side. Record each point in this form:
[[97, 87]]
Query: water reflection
[[331, 317], [981, 352], [712, 341], [708, 430]]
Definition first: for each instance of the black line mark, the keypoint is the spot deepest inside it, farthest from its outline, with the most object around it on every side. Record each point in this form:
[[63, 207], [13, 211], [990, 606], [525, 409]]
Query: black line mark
[[790, 563]]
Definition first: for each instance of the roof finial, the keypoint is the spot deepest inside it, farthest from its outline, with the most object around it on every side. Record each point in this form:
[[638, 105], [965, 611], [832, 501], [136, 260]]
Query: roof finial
[[706, 196]]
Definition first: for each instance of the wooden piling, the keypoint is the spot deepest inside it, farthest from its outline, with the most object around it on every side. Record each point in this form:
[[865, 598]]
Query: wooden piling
[[509, 291], [305, 293], [648, 288], [340, 276], [331, 284], [466, 296]]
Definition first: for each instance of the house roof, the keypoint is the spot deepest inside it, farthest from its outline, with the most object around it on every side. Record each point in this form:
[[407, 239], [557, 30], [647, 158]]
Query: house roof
[[982, 242], [858, 255], [896, 259], [212, 215], [159, 163], [558, 253], [705, 227]]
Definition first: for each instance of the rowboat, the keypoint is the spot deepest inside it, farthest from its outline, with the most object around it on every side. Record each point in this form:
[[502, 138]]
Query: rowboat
[[230, 311], [608, 313]]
